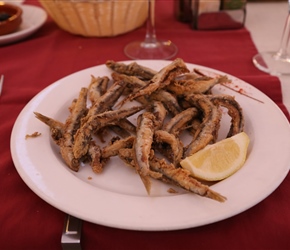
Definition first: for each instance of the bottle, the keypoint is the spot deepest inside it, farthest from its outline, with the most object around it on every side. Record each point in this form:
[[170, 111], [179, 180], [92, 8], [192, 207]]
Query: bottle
[[233, 4], [211, 14], [183, 10]]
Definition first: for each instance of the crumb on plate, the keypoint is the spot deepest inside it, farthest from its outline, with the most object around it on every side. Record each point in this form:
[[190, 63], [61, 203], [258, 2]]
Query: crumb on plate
[[35, 134]]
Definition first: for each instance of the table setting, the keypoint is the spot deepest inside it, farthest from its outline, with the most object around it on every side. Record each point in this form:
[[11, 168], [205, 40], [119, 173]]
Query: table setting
[[49, 60]]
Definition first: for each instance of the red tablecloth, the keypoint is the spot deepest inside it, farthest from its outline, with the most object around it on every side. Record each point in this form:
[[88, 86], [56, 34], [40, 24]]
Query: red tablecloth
[[27, 222]]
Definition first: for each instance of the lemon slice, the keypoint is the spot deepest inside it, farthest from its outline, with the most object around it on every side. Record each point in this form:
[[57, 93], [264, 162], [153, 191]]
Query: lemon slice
[[220, 160]]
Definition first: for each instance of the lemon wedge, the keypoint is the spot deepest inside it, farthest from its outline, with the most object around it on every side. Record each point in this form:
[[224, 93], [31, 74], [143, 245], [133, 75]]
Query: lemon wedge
[[220, 160]]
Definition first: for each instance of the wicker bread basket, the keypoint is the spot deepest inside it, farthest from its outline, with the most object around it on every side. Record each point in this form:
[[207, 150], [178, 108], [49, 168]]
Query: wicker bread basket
[[97, 18]]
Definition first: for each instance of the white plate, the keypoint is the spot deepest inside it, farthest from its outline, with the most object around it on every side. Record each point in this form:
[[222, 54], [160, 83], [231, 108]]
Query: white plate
[[33, 18], [117, 197]]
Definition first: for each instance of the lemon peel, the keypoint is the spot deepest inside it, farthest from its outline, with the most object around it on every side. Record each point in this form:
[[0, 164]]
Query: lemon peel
[[220, 160]]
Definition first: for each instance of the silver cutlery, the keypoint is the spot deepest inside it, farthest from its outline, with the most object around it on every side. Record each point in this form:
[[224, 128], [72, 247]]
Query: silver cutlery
[[71, 234], [1, 83]]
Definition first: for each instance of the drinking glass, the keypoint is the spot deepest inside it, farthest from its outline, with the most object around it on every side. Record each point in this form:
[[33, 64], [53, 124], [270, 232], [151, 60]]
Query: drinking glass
[[276, 62], [151, 47]]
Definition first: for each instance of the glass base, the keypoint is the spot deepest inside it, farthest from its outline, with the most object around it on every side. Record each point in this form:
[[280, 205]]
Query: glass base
[[158, 50], [272, 63]]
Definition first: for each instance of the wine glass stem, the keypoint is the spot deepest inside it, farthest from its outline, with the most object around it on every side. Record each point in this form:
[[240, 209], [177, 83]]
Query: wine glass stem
[[150, 37], [283, 50]]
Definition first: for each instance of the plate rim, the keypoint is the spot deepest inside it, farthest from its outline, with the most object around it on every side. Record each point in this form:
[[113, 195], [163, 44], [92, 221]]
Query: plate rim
[[24, 33]]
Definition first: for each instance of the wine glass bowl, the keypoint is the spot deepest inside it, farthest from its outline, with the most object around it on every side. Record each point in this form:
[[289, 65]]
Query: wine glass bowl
[[276, 62], [151, 47]]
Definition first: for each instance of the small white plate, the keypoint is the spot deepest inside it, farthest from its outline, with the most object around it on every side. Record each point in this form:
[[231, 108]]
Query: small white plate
[[33, 18], [117, 197]]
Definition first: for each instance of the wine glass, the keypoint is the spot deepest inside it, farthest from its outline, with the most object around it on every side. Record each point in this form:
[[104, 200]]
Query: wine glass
[[276, 62], [151, 47]]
